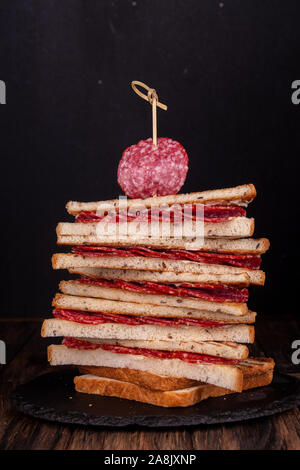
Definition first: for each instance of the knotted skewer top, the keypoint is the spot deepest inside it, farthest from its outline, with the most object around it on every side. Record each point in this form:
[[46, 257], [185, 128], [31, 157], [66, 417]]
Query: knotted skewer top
[[152, 98]]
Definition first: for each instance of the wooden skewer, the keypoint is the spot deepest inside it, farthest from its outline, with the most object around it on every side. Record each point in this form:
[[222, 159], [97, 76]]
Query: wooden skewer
[[152, 98], [154, 121]]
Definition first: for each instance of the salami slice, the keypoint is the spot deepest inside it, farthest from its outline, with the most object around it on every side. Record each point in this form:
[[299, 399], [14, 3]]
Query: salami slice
[[194, 358], [174, 214], [146, 171], [238, 260], [90, 318]]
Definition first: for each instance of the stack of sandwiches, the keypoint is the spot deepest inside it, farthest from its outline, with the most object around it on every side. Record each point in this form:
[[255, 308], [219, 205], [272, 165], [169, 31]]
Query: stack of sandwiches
[[162, 319]]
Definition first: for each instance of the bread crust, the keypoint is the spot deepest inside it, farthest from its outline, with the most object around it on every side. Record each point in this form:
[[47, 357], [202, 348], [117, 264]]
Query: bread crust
[[236, 312], [260, 380], [175, 398], [257, 365]]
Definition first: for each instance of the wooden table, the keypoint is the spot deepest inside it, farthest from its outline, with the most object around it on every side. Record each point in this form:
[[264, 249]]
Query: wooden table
[[26, 357]]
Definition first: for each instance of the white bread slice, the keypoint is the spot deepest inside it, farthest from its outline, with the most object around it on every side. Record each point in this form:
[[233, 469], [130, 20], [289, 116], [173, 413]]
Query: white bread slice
[[155, 264], [240, 195], [224, 310], [254, 246], [236, 333], [93, 384], [226, 376], [225, 349], [239, 280], [214, 272], [95, 305], [237, 227], [258, 375]]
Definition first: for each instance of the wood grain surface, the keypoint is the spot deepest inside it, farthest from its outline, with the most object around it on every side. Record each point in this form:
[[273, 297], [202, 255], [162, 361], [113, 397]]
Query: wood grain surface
[[26, 357]]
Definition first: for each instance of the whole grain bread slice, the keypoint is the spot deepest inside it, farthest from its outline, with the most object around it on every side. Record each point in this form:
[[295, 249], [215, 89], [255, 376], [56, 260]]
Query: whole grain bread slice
[[214, 272], [53, 327], [227, 376], [133, 275], [228, 350], [240, 195], [236, 227], [255, 246], [95, 305], [207, 309]]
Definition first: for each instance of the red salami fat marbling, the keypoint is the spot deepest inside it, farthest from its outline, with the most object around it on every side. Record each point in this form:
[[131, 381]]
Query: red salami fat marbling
[[91, 318], [145, 170], [237, 260], [210, 292], [177, 213], [193, 358]]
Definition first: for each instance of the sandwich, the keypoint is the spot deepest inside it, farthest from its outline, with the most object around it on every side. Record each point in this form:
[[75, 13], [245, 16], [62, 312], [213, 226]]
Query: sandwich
[[164, 306], [194, 366]]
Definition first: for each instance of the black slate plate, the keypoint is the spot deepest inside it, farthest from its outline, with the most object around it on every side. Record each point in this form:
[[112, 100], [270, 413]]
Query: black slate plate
[[48, 397]]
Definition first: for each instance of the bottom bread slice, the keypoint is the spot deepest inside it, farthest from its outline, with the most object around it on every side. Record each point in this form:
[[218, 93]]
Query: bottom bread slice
[[93, 384]]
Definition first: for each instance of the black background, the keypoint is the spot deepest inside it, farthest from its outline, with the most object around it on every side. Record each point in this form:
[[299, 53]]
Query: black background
[[225, 71]]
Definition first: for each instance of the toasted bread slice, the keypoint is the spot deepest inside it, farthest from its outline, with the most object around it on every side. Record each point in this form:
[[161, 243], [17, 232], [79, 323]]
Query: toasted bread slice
[[236, 227], [140, 263], [224, 311], [183, 271], [97, 305], [253, 369], [254, 246], [175, 398], [168, 277], [237, 333], [240, 195], [228, 350]]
